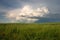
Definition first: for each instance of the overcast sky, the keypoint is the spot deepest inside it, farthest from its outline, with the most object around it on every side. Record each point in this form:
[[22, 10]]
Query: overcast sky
[[29, 11]]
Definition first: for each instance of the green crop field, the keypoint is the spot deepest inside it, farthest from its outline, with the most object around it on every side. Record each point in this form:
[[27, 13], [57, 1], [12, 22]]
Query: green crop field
[[20, 31]]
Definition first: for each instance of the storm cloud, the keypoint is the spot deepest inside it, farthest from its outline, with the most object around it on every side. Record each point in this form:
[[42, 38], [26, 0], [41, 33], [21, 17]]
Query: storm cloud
[[11, 10]]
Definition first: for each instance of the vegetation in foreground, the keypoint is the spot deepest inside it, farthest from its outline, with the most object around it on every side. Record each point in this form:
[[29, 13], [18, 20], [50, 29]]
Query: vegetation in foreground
[[30, 31]]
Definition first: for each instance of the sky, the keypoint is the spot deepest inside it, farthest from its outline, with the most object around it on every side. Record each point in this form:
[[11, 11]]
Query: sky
[[29, 11]]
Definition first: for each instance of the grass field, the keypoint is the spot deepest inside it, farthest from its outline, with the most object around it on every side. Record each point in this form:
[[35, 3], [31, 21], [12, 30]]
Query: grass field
[[16, 31]]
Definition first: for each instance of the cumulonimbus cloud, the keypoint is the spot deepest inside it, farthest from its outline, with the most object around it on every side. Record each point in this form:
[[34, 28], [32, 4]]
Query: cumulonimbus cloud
[[26, 13]]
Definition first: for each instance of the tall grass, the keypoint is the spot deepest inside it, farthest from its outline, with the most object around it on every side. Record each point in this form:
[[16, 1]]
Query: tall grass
[[30, 31]]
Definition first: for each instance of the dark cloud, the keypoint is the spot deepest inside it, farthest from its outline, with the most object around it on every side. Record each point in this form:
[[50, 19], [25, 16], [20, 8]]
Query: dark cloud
[[56, 16], [53, 6], [10, 3], [42, 20]]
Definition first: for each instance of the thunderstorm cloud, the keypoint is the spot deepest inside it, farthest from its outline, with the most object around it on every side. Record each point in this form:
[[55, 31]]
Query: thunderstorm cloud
[[29, 11], [26, 13]]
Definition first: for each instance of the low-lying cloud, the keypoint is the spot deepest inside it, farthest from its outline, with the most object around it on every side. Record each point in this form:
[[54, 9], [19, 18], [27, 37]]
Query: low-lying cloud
[[26, 13]]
